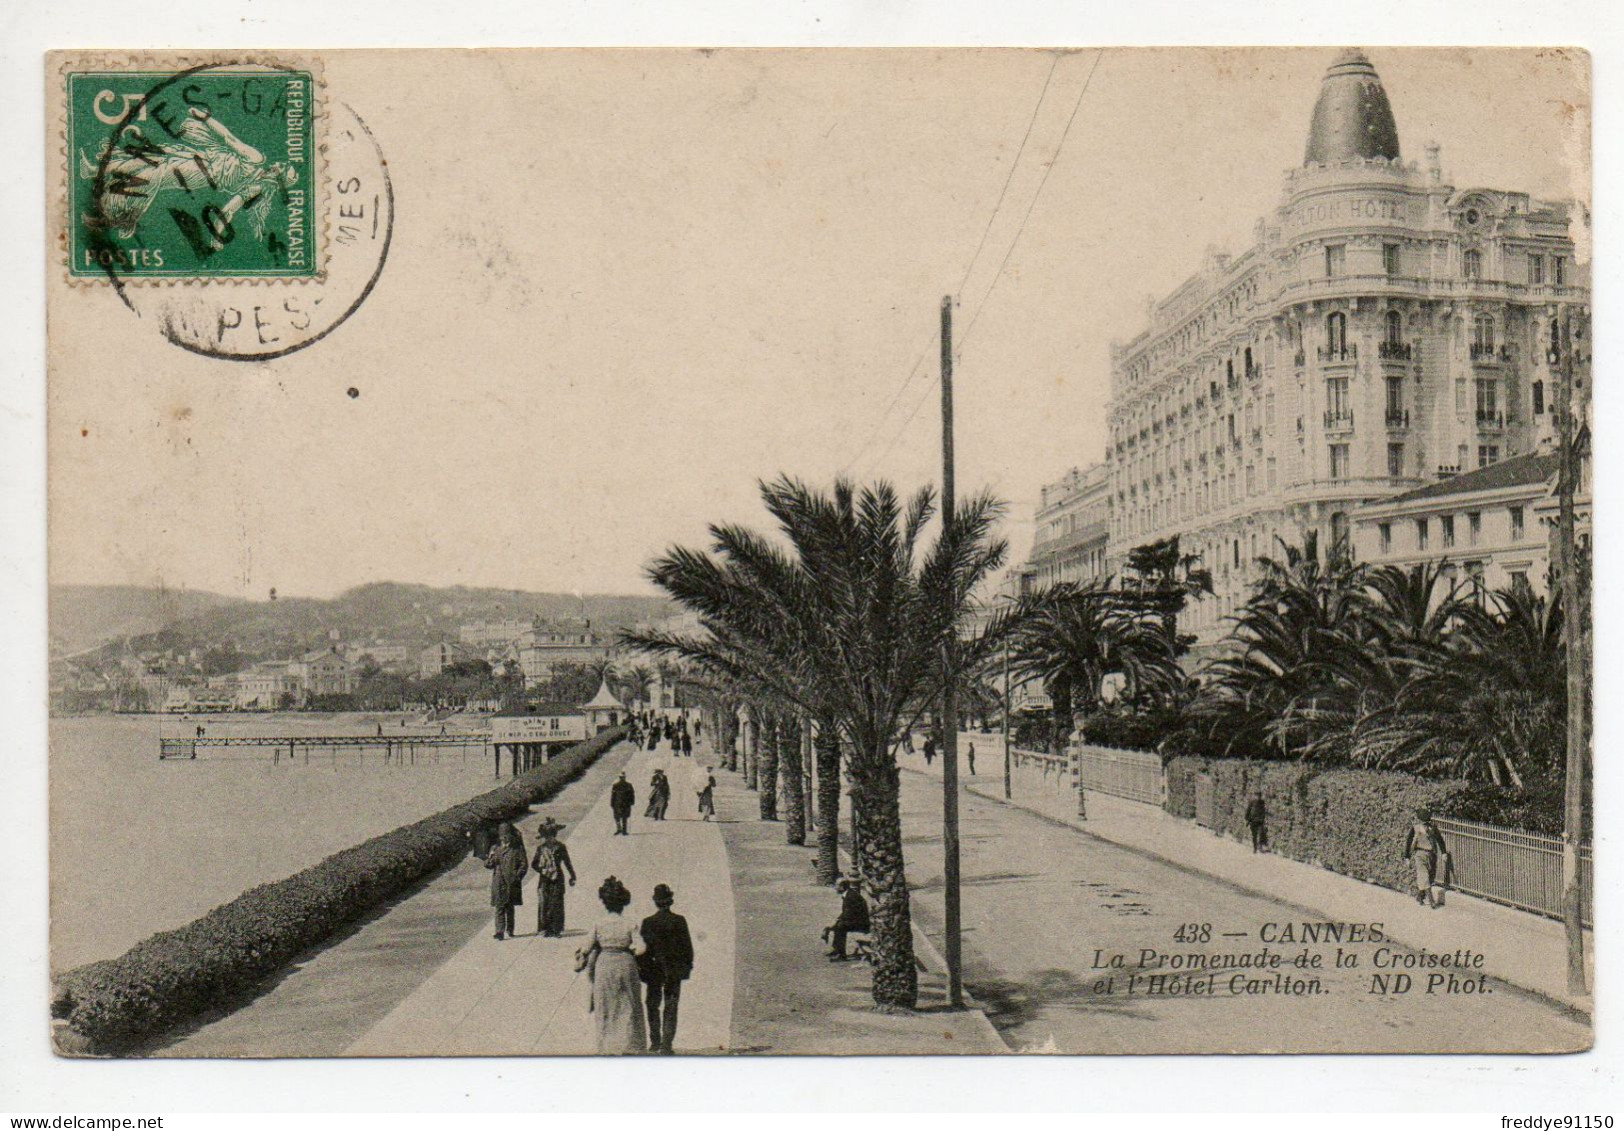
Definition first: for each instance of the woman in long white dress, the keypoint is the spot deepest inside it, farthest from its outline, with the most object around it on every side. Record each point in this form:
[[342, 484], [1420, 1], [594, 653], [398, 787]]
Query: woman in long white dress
[[617, 998]]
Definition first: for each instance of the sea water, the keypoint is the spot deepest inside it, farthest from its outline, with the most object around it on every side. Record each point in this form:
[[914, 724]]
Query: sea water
[[140, 845]]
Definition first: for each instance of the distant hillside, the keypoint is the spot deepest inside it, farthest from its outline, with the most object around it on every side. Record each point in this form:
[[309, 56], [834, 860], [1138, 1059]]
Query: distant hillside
[[409, 614], [86, 616]]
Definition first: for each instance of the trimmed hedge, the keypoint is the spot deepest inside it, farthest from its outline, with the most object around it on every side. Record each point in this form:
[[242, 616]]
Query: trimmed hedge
[[223, 956], [1350, 821]]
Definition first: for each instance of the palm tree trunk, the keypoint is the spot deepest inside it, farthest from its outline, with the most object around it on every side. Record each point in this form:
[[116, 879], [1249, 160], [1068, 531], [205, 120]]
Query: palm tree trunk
[[767, 770], [752, 751], [789, 779], [1060, 692], [827, 746], [729, 721], [879, 849]]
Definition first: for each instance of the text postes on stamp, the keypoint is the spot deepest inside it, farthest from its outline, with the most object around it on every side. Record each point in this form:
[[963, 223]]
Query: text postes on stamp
[[207, 172]]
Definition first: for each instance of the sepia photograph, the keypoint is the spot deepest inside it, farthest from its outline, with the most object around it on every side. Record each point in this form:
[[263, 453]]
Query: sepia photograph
[[851, 552]]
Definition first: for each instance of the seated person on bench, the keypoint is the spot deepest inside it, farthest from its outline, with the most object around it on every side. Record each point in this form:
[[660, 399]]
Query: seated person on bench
[[853, 919]]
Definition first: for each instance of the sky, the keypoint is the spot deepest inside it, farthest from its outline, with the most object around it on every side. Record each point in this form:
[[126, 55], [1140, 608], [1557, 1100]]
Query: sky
[[625, 286]]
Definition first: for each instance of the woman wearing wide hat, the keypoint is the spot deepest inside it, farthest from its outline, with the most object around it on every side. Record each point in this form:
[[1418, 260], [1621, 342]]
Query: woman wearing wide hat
[[616, 989], [551, 864]]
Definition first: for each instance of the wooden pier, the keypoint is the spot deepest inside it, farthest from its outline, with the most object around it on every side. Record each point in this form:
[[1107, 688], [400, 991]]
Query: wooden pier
[[396, 749]]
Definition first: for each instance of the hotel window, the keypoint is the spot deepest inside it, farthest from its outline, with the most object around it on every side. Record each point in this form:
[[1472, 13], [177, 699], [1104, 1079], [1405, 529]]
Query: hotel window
[[1462, 454], [1336, 333], [1536, 269], [1539, 398], [1336, 396], [1487, 397], [1446, 531], [1273, 477], [1386, 530], [1390, 258], [1339, 461], [1559, 270], [1482, 334], [1460, 394], [1474, 576], [1395, 400], [1334, 257], [1394, 325], [1395, 460], [1487, 454], [1471, 265], [1339, 529], [1516, 524], [1474, 527], [1268, 412], [1519, 580], [1420, 534], [1251, 479]]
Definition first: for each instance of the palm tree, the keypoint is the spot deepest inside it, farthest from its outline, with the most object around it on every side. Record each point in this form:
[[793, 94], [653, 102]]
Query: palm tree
[[1167, 581], [636, 681], [848, 624], [1075, 635]]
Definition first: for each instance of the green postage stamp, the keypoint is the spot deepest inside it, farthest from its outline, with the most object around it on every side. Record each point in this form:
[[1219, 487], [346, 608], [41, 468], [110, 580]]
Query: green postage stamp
[[207, 172]]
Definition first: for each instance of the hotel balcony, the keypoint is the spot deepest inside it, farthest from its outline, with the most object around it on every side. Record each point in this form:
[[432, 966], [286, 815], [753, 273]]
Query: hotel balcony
[[1299, 359], [1396, 351], [1490, 421], [1344, 355], [1398, 418], [1490, 355], [1339, 421]]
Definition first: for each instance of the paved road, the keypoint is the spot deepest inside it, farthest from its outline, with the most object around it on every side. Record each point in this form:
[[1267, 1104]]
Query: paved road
[[1039, 899], [522, 996]]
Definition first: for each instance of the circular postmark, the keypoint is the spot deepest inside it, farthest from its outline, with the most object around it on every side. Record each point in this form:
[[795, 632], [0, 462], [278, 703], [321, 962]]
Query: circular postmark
[[230, 206]]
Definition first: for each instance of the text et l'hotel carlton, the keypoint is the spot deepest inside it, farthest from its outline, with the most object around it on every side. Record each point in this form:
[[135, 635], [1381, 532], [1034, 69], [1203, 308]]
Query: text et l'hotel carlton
[[1385, 330]]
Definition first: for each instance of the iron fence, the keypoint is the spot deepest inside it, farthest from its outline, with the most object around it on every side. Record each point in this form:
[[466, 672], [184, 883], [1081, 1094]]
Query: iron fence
[[1519, 869], [1133, 774]]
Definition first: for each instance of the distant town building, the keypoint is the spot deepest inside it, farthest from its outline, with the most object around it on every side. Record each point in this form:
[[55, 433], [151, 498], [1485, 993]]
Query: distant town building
[[323, 672], [543, 647], [1073, 525], [485, 633], [1385, 329], [434, 659], [267, 686]]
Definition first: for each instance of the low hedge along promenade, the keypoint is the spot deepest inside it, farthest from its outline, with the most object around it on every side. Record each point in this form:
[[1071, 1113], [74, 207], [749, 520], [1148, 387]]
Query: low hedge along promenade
[[222, 957]]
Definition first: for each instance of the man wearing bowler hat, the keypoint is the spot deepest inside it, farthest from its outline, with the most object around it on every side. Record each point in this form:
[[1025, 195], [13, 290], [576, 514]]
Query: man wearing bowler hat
[[664, 966]]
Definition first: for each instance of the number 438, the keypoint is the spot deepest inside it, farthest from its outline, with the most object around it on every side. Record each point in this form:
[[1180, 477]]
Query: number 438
[[1193, 933]]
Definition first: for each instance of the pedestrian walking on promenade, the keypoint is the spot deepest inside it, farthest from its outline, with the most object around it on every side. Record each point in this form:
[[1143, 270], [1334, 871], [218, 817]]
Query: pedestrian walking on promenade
[[611, 960], [930, 749], [1425, 848], [1256, 818], [507, 864], [621, 799], [853, 919], [551, 863], [659, 796], [970, 756], [699, 728], [687, 745], [666, 964], [707, 796]]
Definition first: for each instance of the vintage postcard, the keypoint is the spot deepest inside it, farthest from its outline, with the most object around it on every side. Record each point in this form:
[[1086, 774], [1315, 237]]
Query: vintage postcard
[[837, 552]]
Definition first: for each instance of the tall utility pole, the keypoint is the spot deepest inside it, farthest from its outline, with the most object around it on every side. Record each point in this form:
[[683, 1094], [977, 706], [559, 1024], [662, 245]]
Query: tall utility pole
[[950, 706], [1573, 643]]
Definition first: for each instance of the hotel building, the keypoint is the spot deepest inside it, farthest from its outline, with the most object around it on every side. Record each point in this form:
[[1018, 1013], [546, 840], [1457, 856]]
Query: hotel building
[[1385, 330]]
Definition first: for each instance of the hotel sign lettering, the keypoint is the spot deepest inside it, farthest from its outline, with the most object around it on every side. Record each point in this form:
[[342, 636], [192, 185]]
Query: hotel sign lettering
[[1355, 210]]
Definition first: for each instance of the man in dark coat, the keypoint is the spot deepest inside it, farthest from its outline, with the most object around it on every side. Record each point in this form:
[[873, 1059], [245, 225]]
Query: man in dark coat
[[664, 966], [853, 919], [1257, 815], [621, 799], [507, 864]]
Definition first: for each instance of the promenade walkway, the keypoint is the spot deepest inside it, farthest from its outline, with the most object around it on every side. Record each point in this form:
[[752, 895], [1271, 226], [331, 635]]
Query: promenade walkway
[[523, 996]]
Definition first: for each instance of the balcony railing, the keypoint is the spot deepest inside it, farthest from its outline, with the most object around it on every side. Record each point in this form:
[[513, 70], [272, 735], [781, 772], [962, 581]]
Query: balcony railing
[[1338, 421], [1299, 359], [1254, 372], [1485, 353], [1395, 351], [1398, 418], [1490, 420], [1335, 354]]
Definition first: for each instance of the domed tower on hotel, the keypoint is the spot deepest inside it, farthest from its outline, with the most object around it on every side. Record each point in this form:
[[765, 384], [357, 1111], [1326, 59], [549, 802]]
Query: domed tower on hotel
[[1384, 330]]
